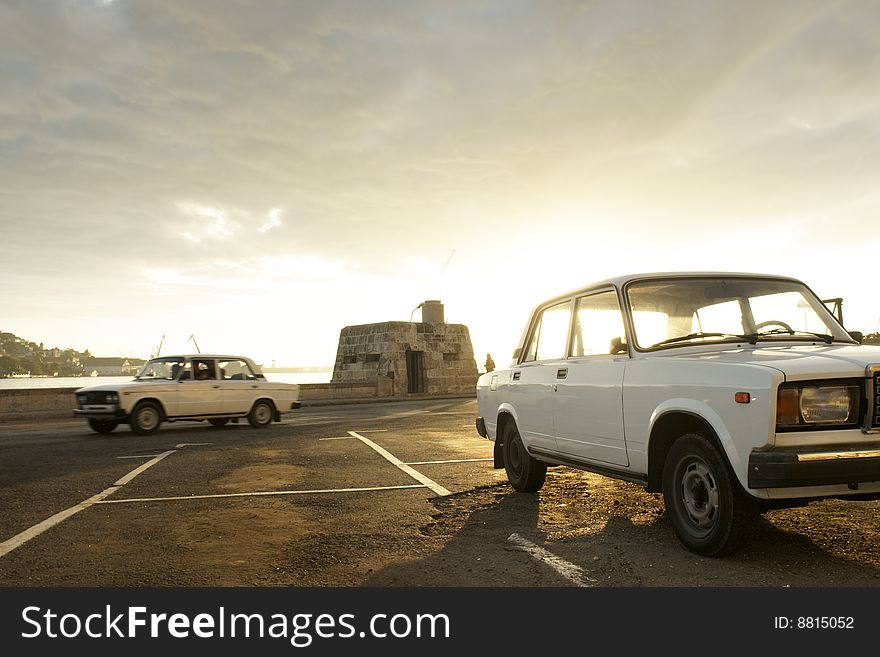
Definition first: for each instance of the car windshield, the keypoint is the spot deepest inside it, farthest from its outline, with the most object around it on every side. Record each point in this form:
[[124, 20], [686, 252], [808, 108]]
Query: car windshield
[[680, 312], [160, 369]]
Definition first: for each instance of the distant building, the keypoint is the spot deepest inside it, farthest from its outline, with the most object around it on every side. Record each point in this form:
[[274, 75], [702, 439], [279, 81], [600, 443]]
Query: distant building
[[112, 366], [407, 358]]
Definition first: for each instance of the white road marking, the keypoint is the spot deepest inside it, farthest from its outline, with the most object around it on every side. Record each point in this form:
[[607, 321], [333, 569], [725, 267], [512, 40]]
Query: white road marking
[[138, 456], [566, 569], [20, 539], [415, 474], [134, 473], [180, 445], [452, 461], [261, 494]]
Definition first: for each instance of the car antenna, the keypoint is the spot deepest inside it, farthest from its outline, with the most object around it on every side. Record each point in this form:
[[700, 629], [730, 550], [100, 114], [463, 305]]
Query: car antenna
[[193, 338], [159, 348]]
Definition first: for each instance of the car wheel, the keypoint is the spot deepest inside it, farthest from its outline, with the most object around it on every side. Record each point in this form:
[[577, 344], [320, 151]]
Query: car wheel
[[102, 426], [218, 421], [146, 418], [261, 414], [525, 473], [710, 513]]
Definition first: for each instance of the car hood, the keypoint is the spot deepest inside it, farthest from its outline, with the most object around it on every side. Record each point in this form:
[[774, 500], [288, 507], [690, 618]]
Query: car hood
[[141, 386], [800, 362]]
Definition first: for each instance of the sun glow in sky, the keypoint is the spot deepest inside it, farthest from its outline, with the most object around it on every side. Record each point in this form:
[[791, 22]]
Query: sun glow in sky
[[261, 178]]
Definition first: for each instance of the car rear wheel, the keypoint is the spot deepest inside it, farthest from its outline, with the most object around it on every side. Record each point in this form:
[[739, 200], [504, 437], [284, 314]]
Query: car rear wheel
[[218, 421], [146, 418], [710, 513], [102, 426], [261, 414], [525, 473]]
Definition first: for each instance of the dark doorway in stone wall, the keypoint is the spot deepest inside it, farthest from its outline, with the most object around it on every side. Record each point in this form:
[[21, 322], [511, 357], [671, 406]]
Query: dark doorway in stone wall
[[415, 371]]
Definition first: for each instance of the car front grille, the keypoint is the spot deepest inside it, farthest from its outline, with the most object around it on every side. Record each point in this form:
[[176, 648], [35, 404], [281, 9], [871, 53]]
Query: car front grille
[[875, 388], [91, 397]]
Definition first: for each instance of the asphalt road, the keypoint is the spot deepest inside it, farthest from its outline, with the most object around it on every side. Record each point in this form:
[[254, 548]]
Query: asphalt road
[[390, 494]]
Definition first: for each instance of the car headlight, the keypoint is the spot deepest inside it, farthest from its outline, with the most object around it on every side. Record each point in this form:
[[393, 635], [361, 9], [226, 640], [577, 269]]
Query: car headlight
[[813, 405], [82, 399], [111, 398]]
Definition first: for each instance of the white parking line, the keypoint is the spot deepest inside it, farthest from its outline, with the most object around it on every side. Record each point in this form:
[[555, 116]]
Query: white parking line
[[261, 494], [452, 461], [415, 474], [20, 539], [179, 445], [566, 569]]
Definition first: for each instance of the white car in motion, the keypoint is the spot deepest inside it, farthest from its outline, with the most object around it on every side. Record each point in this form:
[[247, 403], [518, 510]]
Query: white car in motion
[[730, 393], [192, 387]]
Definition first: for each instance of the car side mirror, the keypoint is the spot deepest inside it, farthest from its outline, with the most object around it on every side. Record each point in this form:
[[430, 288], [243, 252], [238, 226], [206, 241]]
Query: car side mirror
[[618, 346], [516, 353], [858, 336]]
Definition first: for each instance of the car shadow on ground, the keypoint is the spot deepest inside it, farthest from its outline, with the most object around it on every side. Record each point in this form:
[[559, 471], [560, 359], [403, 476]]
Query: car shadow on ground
[[627, 543]]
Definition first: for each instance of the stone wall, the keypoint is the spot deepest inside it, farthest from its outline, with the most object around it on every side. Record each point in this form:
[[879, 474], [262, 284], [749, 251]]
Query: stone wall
[[369, 353], [52, 403]]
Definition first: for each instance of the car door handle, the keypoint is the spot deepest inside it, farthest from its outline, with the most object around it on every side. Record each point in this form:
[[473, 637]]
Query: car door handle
[[562, 372], [215, 386], [255, 386]]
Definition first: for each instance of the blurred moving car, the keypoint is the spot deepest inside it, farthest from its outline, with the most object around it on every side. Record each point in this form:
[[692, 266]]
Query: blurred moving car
[[729, 393], [190, 387]]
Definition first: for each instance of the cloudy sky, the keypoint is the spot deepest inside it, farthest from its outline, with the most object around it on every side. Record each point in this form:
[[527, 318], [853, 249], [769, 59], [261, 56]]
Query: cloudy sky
[[261, 174]]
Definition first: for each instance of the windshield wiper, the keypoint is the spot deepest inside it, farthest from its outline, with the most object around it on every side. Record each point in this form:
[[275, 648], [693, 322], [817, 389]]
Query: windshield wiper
[[825, 337], [694, 336]]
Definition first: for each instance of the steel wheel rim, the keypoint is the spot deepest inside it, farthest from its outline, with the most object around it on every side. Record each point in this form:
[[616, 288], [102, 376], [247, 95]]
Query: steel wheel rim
[[699, 496], [516, 455], [148, 418], [262, 414]]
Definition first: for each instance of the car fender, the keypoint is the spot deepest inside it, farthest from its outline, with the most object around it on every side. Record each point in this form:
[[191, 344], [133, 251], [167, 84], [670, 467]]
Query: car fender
[[707, 414], [502, 408]]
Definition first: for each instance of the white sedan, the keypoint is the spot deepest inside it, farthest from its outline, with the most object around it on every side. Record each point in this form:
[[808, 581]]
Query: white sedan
[[191, 387]]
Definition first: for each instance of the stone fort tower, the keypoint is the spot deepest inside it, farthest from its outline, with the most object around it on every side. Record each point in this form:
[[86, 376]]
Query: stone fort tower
[[406, 358]]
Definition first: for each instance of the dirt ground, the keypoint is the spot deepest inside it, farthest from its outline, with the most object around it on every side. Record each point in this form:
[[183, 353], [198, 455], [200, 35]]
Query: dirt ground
[[620, 536]]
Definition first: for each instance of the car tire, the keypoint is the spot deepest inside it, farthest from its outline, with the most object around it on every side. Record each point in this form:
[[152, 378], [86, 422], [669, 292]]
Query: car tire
[[708, 510], [146, 418], [262, 413], [525, 473], [102, 426], [218, 421]]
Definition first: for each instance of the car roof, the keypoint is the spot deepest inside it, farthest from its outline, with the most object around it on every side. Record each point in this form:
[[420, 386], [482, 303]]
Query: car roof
[[620, 281]]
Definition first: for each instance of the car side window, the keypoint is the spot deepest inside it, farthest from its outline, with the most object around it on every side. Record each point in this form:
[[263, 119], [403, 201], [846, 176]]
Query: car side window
[[235, 370], [598, 326], [549, 338], [203, 370]]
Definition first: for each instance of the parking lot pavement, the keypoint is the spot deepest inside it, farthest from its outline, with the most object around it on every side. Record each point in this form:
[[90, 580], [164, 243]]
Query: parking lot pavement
[[399, 494], [194, 504]]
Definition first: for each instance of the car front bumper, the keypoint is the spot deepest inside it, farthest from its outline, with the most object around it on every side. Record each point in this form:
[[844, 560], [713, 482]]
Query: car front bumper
[[481, 427], [100, 412], [818, 466]]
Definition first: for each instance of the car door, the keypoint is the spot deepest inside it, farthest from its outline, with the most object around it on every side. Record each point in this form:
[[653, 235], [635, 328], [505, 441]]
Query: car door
[[199, 390], [531, 384], [239, 384], [588, 409]]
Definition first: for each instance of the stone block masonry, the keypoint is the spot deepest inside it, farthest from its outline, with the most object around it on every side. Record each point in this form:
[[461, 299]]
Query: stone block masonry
[[406, 358]]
